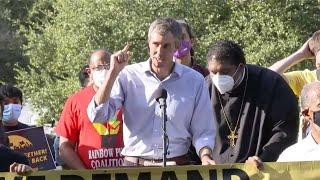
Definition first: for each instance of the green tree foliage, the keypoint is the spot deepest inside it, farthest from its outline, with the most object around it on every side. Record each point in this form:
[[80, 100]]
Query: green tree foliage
[[10, 40], [269, 30], [59, 45], [15, 15]]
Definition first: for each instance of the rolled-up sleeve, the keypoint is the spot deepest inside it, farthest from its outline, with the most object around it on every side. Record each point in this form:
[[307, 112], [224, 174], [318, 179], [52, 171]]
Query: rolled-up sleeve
[[203, 124], [99, 113]]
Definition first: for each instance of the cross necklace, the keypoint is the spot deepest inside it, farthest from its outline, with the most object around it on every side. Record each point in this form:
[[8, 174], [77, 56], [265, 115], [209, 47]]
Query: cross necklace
[[233, 133]]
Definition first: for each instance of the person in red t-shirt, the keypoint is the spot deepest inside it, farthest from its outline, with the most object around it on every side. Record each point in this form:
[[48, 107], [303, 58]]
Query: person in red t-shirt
[[185, 54], [84, 145]]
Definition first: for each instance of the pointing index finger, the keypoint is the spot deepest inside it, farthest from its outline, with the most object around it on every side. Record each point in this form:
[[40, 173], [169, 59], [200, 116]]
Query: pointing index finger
[[126, 48]]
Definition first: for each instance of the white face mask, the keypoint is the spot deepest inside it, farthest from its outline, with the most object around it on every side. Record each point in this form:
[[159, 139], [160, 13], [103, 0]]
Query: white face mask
[[99, 77], [224, 83]]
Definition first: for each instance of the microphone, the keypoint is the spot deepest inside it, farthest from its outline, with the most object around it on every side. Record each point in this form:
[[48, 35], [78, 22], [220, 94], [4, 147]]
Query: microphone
[[161, 97]]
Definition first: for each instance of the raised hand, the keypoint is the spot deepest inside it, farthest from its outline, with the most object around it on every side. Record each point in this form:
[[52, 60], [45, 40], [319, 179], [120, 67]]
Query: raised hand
[[117, 62], [305, 50], [120, 59]]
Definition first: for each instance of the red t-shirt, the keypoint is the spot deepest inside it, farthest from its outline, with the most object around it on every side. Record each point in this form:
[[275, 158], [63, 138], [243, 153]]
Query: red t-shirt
[[98, 145]]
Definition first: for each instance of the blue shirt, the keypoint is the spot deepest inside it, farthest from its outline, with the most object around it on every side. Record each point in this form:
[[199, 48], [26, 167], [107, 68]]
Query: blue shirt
[[189, 111]]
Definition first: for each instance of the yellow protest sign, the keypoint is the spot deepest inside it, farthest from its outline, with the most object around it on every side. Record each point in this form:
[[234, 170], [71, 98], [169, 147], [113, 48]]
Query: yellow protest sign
[[282, 171]]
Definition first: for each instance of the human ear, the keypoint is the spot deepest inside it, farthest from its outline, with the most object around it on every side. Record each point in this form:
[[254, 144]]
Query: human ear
[[305, 114], [88, 70]]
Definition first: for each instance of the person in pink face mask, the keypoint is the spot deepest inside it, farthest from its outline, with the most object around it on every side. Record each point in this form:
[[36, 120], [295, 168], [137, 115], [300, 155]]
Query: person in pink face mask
[[185, 53]]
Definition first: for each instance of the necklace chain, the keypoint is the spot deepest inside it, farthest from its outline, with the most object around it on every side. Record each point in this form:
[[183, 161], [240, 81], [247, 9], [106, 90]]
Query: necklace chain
[[233, 134]]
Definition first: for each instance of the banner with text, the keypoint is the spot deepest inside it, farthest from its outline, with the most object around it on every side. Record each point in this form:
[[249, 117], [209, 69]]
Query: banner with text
[[283, 171]]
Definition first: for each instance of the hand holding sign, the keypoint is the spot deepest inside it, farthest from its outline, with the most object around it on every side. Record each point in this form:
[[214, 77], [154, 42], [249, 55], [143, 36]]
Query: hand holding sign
[[21, 169]]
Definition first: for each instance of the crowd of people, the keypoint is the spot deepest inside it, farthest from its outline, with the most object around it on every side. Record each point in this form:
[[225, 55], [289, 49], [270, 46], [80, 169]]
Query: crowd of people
[[227, 112]]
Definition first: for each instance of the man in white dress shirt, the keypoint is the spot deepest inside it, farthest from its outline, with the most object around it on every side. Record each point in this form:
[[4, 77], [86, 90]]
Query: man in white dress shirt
[[307, 149], [135, 87]]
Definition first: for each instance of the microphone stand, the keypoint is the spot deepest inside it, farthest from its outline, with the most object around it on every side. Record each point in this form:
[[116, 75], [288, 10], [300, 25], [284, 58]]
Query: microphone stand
[[163, 107]]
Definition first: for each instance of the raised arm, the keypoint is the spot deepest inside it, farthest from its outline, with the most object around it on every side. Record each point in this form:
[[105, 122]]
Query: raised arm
[[117, 62], [295, 58]]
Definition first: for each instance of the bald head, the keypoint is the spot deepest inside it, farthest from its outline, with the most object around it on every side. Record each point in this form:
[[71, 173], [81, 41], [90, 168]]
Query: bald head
[[99, 62], [310, 94], [100, 55]]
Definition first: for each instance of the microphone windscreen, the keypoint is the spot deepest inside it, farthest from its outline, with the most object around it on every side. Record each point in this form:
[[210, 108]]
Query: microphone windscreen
[[164, 94], [161, 94]]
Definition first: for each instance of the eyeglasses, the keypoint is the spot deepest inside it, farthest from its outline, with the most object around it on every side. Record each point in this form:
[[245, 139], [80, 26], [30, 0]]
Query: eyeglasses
[[101, 67]]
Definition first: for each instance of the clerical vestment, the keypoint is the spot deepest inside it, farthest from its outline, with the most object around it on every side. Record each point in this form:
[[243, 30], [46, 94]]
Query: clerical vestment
[[267, 123]]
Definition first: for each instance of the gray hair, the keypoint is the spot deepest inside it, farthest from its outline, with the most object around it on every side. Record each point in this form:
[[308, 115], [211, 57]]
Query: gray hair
[[309, 93], [165, 25]]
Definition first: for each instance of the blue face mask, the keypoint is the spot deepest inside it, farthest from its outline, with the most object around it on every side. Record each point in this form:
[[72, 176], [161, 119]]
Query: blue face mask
[[11, 112]]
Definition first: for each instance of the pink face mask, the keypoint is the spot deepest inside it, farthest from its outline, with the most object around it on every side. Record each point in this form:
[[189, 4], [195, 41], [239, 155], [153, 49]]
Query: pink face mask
[[183, 50]]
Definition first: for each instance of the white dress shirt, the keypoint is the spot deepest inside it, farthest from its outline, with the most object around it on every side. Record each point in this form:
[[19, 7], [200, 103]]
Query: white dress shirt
[[305, 150], [189, 111]]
